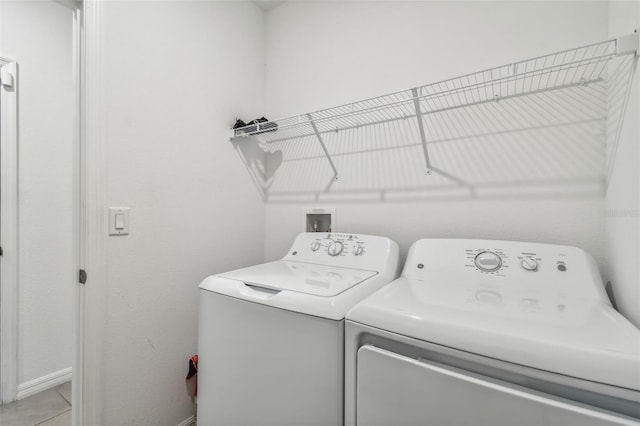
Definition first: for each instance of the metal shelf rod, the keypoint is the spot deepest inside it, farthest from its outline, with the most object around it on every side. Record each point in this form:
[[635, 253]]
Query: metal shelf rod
[[324, 148], [560, 70], [423, 138], [573, 65], [434, 111]]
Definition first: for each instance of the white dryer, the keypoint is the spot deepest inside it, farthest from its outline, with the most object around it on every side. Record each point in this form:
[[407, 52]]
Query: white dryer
[[490, 333], [271, 336]]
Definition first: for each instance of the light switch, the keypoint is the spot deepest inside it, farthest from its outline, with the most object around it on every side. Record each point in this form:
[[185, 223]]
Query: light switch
[[118, 220]]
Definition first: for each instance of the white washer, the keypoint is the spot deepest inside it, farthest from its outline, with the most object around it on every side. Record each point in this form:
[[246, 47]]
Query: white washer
[[490, 333], [271, 336]]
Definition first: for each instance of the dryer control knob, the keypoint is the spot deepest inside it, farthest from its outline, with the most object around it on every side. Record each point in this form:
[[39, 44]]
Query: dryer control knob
[[315, 245], [529, 263], [358, 250], [335, 248], [488, 261]]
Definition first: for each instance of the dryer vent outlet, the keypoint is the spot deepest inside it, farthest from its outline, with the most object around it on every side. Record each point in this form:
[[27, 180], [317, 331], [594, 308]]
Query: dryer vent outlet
[[319, 222]]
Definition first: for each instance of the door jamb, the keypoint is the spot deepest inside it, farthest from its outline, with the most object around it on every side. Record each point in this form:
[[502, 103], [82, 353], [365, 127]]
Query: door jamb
[[91, 308], [9, 234], [77, 380]]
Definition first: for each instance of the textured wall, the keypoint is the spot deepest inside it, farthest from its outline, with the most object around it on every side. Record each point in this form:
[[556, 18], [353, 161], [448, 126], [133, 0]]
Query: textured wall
[[175, 75], [529, 169]]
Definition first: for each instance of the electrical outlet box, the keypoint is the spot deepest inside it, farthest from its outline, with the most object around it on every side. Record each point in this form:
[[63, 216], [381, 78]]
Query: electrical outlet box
[[320, 219]]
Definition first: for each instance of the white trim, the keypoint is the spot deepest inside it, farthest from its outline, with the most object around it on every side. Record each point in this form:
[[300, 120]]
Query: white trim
[[43, 383], [78, 318], [9, 234], [187, 422], [92, 196]]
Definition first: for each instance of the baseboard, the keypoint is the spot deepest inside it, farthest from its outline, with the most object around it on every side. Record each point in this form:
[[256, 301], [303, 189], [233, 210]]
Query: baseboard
[[188, 422], [43, 383]]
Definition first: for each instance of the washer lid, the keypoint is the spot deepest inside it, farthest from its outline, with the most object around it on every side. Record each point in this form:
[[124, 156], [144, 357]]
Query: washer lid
[[576, 337], [301, 277]]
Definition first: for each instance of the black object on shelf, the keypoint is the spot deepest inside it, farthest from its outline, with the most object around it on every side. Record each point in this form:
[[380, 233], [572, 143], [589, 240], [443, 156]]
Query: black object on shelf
[[256, 126], [239, 124]]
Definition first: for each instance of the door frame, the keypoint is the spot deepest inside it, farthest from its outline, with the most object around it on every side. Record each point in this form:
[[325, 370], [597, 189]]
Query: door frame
[[9, 226], [91, 310], [77, 377], [9, 232]]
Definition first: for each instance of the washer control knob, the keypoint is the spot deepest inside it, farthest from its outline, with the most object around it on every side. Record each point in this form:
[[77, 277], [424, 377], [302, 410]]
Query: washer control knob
[[358, 250], [335, 248], [315, 245], [488, 261], [529, 264]]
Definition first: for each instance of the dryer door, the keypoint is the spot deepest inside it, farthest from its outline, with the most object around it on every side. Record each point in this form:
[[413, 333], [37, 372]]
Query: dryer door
[[396, 390]]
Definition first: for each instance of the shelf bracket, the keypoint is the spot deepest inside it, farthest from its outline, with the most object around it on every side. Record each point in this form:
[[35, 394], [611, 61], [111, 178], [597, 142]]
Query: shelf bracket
[[628, 43], [416, 103], [324, 148]]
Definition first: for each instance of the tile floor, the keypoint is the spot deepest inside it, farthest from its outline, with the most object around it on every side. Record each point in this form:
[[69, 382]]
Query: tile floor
[[49, 408]]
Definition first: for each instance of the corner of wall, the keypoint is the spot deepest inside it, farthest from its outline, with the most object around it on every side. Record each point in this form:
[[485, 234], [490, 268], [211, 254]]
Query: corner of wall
[[622, 201]]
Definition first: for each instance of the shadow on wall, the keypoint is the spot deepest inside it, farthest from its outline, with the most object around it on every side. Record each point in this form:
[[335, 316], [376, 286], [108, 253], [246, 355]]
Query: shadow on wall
[[546, 144], [255, 155]]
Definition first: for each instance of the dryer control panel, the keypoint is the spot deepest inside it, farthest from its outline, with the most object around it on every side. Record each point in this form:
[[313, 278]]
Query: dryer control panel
[[501, 266], [495, 259]]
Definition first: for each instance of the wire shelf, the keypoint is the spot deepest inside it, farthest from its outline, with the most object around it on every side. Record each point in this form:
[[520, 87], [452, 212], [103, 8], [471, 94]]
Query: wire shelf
[[568, 68]]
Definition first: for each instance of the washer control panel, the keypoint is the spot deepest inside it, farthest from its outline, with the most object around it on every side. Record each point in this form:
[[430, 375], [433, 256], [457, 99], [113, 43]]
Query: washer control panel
[[342, 249], [339, 244]]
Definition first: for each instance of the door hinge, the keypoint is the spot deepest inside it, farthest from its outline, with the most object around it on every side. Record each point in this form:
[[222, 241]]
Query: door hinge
[[1, 252], [82, 276]]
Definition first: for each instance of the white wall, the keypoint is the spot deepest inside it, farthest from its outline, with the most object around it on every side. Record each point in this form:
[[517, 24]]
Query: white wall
[[623, 193], [38, 35], [175, 76], [536, 165]]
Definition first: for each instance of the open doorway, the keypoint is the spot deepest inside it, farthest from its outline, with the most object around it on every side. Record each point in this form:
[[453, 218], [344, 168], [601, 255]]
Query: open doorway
[[39, 219]]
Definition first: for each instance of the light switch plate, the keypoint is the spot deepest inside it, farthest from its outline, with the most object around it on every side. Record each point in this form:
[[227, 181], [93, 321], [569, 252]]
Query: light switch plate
[[118, 220]]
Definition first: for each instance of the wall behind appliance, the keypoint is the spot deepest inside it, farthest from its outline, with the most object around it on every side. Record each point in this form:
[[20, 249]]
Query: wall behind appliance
[[38, 35], [622, 203], [322, 54], [175, 75]]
